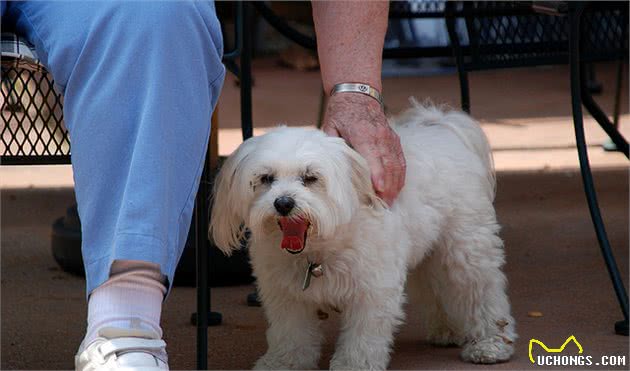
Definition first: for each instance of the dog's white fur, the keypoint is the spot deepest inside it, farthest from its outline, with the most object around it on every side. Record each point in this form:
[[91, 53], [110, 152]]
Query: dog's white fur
[[443, 220]]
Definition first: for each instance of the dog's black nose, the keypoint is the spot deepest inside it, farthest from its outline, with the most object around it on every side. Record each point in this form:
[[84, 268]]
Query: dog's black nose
[[284, 205]]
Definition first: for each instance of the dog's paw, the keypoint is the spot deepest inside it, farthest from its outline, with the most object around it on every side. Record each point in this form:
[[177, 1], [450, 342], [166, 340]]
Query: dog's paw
[[493, 349]]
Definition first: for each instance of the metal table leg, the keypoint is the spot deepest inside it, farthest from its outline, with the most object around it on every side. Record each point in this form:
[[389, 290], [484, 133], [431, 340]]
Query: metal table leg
[[621, 327]]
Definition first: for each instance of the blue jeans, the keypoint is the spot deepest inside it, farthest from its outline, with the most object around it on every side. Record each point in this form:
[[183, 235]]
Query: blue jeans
[[140, 82]]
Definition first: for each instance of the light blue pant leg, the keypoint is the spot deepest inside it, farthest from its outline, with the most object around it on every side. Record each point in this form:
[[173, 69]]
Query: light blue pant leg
[[140, 81]]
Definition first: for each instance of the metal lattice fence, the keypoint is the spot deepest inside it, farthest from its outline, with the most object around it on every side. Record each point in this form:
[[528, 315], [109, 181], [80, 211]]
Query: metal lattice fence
[[509, 34], [32, 118]]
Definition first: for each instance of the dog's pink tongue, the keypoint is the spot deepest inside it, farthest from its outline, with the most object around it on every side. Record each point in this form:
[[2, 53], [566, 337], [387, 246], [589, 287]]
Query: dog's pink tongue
[[293, 231]]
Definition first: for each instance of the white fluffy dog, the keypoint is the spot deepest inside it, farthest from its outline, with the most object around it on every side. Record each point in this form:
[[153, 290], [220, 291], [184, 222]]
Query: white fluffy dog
[[315, 221]]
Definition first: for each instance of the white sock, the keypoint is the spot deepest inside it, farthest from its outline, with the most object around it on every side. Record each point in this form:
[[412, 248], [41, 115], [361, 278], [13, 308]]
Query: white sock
[[130, 299]]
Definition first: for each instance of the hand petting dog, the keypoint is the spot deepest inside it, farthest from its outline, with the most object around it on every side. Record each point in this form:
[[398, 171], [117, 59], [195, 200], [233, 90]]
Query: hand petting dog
[[360, 120]]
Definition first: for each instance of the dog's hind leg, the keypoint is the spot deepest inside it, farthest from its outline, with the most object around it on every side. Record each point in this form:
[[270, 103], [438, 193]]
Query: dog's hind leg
[[294, 336], [425, 304], [466, 275]]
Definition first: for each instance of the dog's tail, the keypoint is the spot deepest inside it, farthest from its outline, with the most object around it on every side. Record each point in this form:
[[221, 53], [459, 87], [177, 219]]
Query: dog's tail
[[465, 127]]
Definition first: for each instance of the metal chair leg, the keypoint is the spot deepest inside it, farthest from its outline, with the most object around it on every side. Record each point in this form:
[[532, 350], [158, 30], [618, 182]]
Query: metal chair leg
[[201, 220], [459, 56], [591, 83], [602, 119], [203, 297], [621, 327], [609, 145], [204, 317], [246, 73], [619, 84]]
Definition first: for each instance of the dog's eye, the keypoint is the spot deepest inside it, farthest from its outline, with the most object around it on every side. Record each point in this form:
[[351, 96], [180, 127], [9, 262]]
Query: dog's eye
[[267, 179], [309, 179]]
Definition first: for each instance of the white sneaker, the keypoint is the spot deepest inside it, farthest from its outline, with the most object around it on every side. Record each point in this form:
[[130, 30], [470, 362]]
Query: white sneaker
[[123, 350]]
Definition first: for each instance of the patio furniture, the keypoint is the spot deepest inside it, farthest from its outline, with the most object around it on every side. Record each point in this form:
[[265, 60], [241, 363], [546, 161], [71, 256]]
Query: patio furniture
[[32, 132], [517, 34], [506, 34]]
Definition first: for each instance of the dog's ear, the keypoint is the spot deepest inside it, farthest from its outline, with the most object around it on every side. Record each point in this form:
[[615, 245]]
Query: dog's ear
[[227, 227], [361, 179]]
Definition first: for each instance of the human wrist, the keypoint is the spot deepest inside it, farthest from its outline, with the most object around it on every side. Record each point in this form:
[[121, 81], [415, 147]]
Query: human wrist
[[353, 102], [354, 97], [360, 89]]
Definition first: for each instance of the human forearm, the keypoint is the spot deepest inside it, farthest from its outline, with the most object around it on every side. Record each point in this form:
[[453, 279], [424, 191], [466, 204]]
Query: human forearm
[[350, 37]]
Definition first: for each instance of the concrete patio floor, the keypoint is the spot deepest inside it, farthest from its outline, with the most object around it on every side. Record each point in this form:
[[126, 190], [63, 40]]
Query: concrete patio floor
[[553, 261]]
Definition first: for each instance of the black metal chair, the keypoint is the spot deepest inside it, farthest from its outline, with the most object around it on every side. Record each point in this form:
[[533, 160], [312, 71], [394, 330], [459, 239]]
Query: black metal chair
[[504, 34], [33, 132]]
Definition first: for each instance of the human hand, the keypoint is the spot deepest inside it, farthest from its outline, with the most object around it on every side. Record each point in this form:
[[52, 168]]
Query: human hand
[[359, 119]]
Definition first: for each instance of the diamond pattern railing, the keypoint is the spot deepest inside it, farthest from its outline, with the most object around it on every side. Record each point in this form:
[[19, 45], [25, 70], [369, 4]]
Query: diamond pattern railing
[[606, 33], [32, 118], [508, 34]]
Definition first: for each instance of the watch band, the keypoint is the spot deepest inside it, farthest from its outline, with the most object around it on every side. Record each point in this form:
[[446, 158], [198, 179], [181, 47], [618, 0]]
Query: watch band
[[355, 87]]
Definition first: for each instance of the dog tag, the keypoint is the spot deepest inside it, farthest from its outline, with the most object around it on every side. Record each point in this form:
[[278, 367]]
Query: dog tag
[[307, 277], [317, 270], [313, 269]]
